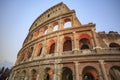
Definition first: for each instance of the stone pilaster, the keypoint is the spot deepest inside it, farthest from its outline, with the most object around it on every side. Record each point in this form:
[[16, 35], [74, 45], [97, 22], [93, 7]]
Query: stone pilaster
[[55, 72], [50, 29], [57, 45], [75, 47], [44, 50], [37, 78], [12, 77], [94, 38], [76, 70], [103, 69], [61, 24]]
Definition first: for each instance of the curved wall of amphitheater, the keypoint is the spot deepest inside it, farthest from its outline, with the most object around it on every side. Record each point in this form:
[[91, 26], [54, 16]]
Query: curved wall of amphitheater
[[59, 47]]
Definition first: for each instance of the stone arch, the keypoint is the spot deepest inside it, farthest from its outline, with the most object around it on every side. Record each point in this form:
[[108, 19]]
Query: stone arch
[[30, 51], [39, 49], [45, 30], [21, 57], [55, 26], [48, 74], [67, 73], [17, 76], [114, 72], [85, 41], [51, 47], [67, 44], [30, 37], [33, 74], [23, 75], [89, 73], [67, 23], [36, 33], [25, 54], [114, 45]]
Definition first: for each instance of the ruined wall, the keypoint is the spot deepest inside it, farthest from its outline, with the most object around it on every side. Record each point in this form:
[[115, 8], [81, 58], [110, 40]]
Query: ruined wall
[[59, 47]]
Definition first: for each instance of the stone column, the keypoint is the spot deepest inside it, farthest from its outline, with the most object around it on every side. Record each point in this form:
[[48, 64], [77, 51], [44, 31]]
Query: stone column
[[61, 24], [55, 72], [12, 77], [57, 45], [26, 78], [76, 70], [44, 50], [61, 44], [37, 78], [94, 36], [50, 29], [34, 51], [59, 71], [75, 47], [103, 69], [29, 74]]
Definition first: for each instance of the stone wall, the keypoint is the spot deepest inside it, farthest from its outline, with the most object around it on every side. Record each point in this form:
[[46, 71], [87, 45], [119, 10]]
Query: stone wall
[[59, 47]]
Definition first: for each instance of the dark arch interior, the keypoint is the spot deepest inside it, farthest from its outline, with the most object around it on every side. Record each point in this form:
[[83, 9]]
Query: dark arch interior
[[48, 74], [114, 45], [52, 48], [40, 51], [67, 46], [67, 74], [23, 74], [89, 73], [88, 76], [85, 47], [115, 73], [84, 43], [34, 74]]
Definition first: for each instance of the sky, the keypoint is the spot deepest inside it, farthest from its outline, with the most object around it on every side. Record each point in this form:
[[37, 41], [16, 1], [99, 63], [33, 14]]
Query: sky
[[16, 17]]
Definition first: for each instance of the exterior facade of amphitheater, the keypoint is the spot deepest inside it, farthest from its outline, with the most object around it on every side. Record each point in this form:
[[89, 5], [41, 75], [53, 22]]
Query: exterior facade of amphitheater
[[59, 47]]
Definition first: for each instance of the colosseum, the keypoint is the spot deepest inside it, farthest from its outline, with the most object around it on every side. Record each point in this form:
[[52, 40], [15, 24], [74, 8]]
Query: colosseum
[[59, 47]]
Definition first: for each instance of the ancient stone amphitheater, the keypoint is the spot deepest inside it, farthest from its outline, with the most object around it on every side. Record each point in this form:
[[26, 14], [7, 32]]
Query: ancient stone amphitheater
[[59, 47]]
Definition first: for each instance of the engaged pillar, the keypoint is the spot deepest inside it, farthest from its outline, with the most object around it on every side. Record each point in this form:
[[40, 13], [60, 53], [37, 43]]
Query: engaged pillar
[[103, 69]]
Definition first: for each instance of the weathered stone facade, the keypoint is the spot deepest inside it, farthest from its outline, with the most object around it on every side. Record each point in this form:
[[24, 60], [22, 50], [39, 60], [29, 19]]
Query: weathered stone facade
[[59, 47]]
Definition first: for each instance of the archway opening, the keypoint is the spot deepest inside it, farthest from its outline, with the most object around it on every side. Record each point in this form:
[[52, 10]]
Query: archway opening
[[36, 33], [45, 30], [89, 73], [30, 37], [48, 74], [84, 43], [67, 74], [17, 76], [114, 45], [55, 26], [23, 75], [39, 49], [67, 46], [67, 23], [115, 73], [34, 74], [84, 47], [52, 48], [30, 52], [40, 52], [88, 76]]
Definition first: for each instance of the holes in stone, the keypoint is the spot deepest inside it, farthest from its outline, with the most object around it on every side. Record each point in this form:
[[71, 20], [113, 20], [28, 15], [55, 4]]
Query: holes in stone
[[48, 15]]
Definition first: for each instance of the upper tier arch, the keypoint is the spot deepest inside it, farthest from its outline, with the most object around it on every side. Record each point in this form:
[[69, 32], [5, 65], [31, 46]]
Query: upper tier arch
[[50, 14]]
